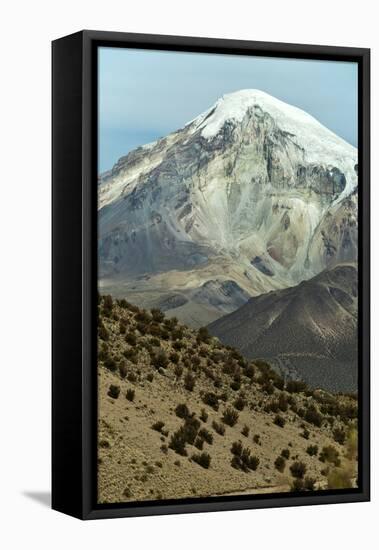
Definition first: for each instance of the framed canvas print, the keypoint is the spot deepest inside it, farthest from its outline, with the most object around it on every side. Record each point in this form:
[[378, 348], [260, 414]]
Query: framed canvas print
[[210, 274]]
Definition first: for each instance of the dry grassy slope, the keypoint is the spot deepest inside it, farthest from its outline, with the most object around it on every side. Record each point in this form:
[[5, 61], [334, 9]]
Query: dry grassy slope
[[132, 464]]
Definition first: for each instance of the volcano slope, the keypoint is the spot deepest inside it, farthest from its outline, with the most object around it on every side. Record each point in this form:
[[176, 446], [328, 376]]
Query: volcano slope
[[182, 415], [308, 331]]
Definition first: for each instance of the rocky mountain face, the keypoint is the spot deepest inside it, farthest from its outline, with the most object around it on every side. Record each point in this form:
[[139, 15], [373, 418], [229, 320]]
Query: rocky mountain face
[[252, 196], [308, 331]]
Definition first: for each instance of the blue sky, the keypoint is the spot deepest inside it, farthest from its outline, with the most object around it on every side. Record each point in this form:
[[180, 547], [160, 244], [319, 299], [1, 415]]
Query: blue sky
[[144, 95]]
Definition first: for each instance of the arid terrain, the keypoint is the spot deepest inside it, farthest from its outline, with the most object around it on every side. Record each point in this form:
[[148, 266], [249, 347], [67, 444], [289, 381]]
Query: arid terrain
[[181, 415]]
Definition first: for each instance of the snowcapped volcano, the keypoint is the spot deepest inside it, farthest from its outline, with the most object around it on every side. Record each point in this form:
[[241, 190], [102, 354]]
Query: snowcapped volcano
[[252, 195]]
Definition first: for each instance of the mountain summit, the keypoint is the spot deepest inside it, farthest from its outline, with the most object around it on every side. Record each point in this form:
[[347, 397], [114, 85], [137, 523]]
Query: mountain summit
[[251, 196]]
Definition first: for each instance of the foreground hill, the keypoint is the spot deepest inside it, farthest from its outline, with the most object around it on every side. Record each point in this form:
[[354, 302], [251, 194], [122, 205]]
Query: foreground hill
[[253, 193], [308, 331], [182, 415]]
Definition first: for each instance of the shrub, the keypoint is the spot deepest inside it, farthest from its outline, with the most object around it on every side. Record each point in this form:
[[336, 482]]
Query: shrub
[[330, 454], [157, 315], [150, 377], [203, 415], [218, 427], [177, 334], [182, 411], [283, 402], [190, 429], [339, 478], [122, 369], [280, 463], [160, 361], [206, 435], [313, 416], [178, 345], [211, 399], [142, 316], [257, 439], [110, 364], [285, 453], [339, 436], [203, 459], [249, 371], [305, 433], [245, 431], [235, 385], [122, 327], [107, 304], [298, 469], [114, 391], [309, 484], [189, 382], [240, 403], [157, 426], [279, 421], [312, 450], [297, 485], [103, 333], [174, 357], [199, 443], [178, 442], [130, 394], [230, 416], [178, 371], [131, 338], [296, 386], [155, 342], [132, 377], [242, 459], [203, 335]]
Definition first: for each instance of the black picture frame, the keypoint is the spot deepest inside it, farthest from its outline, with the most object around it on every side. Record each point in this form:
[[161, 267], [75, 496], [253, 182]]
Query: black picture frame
[[74, 272]]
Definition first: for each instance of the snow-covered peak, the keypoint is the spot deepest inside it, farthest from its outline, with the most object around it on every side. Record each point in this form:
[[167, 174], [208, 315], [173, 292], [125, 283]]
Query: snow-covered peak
[[319, 143]]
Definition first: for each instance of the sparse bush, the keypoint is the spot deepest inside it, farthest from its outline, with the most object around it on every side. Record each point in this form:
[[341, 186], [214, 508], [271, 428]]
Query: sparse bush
[[103, 333], [182, 411], [309, 484], [178, 371], [157, 315], [199, 443], [305, 433], [279, 421], [114, 391], [132, 377], [177, 345], [174, 357], [339, 478], [122, 327], [296, 386], [280, 463], [283, 402], [107, 304], [160, 361], [297, 485], [150, 377], [218, 427], [130, 394], [178, 442], [240, 403], [203, 335], [245, 431], [230, 417], [189, 382], [242, 458], [206, 435], [257, 439], [142, 316], [110, 364], [211, 399], [313, 416], [285, 453], [122, 369], [203, 459], [312, 450], [157, 426], [330, 454], [203, 415], [339, 436], [164, 449], [177, 334], [249, 371], [131, 338], [298, 469]]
